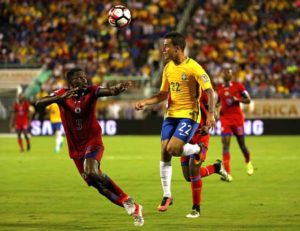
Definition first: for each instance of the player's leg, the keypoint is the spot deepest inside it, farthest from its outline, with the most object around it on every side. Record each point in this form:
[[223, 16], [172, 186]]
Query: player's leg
[[98, 180], [112, 191], [27, 138], [165, 177], [191, 172], [165, 166], [185, 161], [195, 163], [178, 144], [58, 136], [246, 153], [226, 155], [20, 141], [91, 173], [217, 167], [196, 184]]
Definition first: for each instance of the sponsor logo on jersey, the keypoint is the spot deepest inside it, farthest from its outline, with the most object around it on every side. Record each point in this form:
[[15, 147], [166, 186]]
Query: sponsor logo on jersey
[[205, 78], [77, 110]]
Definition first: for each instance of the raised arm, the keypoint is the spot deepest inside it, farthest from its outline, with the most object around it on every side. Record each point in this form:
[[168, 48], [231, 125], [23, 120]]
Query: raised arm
[[114, 90], [157, 98], [47, 100]]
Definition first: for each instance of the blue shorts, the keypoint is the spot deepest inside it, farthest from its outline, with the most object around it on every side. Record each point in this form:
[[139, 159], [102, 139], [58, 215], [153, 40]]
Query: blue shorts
[[181, 128], [56, 126]]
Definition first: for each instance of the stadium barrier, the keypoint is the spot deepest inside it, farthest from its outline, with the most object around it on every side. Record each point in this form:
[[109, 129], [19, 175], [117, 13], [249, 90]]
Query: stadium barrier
[[255, 127], [272, 108]]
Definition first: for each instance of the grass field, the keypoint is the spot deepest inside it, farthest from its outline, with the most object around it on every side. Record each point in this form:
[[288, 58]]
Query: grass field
[[41, 190]]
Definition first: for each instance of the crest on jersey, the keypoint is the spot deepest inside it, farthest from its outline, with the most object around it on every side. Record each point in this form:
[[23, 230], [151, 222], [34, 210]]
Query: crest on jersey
[[205, 78], [77, 110], [183, 76]]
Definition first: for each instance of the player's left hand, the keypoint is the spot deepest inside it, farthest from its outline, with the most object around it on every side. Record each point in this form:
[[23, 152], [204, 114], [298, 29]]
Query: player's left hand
[[210, 121], [120, 87], [235, 98], [204, 130]]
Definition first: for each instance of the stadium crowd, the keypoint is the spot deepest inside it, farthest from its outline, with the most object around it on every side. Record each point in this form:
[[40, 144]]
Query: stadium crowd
[[62, 34], [258, 39]]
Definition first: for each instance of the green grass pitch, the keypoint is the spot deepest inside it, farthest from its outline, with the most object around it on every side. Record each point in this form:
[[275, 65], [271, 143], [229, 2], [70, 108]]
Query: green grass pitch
[[41, 190]]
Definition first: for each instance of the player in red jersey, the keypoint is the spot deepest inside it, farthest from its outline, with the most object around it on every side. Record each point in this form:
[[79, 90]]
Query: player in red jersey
[[84, 135], [20, 120], [191, 165], [231, 94]]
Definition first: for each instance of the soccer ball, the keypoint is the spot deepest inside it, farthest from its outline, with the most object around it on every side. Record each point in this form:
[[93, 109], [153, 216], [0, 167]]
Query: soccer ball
[[119, 16]]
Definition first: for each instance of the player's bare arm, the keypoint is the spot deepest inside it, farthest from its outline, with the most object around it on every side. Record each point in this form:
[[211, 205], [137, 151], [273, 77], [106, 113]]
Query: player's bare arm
[[114, 90], [157, 98], [12, 119], [45, 101], [210, 121], [245, 98]]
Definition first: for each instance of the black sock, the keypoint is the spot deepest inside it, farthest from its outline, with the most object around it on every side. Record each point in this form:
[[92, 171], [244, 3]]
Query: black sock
[[217, 168], [196, 207]]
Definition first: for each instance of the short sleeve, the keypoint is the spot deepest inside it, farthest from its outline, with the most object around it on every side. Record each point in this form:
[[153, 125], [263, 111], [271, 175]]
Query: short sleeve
[[242, 89], [165, 83], [201, 76]]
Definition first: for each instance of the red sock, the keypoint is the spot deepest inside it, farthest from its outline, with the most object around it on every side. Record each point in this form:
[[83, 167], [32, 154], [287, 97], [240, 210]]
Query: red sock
[[112, 186], [20, 141], [207, 170], [226, 161], [121, 199], [196, 185]]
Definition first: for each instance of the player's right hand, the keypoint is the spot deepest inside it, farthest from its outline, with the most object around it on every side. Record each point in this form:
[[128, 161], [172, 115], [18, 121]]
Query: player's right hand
[[140, 105], [211, 121], [204, 130], [70, 93]]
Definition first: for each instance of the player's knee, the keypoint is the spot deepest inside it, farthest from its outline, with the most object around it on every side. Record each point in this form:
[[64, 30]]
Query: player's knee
[[92, 174], [225, 149], [174, 151], [187, 178]]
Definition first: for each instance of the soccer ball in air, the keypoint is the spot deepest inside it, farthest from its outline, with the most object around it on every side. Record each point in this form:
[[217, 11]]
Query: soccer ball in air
[[119, 16]]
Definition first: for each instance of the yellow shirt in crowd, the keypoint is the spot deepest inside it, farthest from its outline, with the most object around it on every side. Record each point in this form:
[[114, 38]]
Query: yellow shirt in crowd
[[54, 113]]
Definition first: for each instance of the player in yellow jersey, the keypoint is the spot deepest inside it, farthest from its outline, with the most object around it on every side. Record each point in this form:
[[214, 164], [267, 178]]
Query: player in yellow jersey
[[181, 82], [55, 120]]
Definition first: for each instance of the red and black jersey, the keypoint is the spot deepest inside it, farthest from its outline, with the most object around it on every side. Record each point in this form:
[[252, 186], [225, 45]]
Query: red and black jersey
[[81, 127], [230, 109], [21, 111]]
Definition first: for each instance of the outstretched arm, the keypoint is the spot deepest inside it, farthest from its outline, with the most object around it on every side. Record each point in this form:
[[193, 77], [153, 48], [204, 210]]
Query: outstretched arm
[[114, 90], [157, 98], [47, 100]]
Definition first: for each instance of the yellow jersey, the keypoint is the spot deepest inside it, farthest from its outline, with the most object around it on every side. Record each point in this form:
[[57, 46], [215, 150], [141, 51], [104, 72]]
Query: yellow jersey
[[183, 81], [54, 113]]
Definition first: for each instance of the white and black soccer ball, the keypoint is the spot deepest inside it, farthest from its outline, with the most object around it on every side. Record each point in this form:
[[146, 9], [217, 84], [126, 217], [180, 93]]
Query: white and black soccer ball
[[119, 16]]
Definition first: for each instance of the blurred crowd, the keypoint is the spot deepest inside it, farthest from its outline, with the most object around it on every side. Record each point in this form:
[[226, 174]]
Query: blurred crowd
[[63, 33], [258, 39]]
